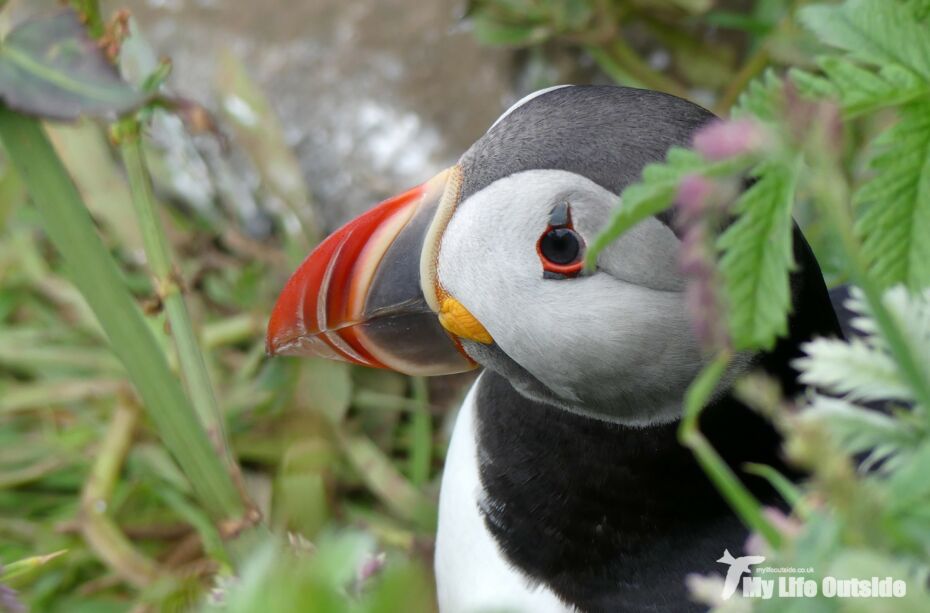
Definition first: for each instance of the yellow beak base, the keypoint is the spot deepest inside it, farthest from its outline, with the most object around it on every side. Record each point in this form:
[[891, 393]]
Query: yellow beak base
[[455, 318]]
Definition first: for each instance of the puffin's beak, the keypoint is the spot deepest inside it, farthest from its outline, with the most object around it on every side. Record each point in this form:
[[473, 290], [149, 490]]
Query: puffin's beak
[[368, 293]]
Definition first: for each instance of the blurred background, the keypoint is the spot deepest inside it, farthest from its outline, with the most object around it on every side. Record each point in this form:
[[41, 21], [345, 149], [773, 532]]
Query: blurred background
[[298, 115], [372, 96]]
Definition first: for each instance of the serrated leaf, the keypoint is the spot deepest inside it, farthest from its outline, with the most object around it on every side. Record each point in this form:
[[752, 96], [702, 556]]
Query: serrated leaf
[[854, 369], [860, 90], [757, 257], [657, 189], [813, 86], [51, 68], [893, 208], [875, 32], [912, 312], [762, 99], [858, 429]]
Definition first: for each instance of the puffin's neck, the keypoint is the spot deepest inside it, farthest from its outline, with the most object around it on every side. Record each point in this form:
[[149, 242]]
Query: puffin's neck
[[606, 514], [614, 517]]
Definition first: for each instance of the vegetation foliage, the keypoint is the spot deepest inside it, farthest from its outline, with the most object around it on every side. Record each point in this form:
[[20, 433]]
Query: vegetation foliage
[[152, 458]]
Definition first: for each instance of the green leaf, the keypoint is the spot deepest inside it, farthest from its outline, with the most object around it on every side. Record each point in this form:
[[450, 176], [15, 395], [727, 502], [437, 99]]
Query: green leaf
[[858, 430], [853, 368], [762, 99], [912, 311], [875, 32], [51, 68], [909, 311], [757, 257], [859, 90], [893, 208], [87, 155], [887, 59], [656, 191]]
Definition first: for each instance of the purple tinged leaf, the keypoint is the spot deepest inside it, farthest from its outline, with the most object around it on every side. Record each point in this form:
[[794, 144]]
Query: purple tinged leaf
[[51, 68]]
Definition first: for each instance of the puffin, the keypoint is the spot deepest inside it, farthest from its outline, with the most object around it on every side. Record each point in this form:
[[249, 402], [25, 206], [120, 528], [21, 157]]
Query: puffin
[[565, 487]]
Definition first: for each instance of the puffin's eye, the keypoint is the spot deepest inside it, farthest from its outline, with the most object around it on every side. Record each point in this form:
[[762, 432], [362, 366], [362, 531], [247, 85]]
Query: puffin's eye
[[560, 248]]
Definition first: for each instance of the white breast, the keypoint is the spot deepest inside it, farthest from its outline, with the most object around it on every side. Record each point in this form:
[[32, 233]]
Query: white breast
[[471, 573]]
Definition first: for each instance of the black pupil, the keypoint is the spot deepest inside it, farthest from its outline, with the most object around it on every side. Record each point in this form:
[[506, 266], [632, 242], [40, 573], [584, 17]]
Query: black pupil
[[560, 246]]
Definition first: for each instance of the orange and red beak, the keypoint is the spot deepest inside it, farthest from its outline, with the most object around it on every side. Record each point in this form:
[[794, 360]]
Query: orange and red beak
[[368, 293]]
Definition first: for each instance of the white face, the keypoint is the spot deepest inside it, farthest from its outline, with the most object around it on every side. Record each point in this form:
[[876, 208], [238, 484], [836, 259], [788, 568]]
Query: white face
[[617, 343]]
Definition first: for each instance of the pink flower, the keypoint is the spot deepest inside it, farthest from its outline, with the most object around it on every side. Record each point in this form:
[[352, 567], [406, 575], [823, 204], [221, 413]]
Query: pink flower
[[701, 203], [720, 140], [370, 566], [694, 195]]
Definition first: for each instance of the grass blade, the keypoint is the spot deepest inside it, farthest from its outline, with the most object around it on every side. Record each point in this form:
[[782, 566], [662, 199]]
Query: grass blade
[[97, 277]]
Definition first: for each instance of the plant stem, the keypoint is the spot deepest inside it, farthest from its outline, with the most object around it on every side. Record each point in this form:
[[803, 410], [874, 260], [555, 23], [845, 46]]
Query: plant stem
[[421, 435], [781, 484], [736, 494], [168, 289], [100, 531], [90, 266]]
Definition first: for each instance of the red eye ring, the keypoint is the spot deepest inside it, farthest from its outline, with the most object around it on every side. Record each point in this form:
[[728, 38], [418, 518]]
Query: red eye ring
[[568, 271]]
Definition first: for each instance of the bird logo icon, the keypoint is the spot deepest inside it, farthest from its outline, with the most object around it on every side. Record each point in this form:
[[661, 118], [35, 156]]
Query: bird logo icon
[[738, 566]]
